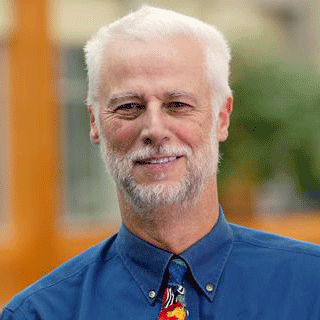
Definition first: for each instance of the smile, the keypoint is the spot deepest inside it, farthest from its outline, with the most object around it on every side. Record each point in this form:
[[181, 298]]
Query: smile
[[163, 160]]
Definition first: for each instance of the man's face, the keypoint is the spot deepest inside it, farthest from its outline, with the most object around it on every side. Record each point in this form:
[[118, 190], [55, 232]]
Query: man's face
[[157, 126]]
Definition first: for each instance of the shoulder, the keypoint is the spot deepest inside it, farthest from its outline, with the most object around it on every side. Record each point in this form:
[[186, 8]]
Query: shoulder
[[265, 252], [63, 284], [247, 237], [274, 263]]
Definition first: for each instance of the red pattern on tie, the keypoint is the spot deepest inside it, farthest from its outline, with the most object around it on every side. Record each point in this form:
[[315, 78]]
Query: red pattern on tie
[[174, 311], [173, 304]]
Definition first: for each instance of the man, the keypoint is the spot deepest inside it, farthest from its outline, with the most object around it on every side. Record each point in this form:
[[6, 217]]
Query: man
[[159, 104]]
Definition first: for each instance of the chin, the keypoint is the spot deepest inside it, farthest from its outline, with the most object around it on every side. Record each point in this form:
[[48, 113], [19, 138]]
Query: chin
[[161, 194]]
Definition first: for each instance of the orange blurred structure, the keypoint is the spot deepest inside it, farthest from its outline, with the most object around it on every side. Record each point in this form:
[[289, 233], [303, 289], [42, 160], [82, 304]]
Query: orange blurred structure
[[35, 245]]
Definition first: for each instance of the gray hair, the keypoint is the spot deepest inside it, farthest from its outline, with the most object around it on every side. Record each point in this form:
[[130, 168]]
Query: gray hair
[[148, 23]]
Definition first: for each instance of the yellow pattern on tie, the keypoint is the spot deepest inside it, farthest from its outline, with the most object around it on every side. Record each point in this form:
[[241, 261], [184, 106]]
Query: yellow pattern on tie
[[179, 313]]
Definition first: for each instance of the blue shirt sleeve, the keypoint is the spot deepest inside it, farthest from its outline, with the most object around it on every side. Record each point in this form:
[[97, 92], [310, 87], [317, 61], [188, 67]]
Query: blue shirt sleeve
[[9, 315]]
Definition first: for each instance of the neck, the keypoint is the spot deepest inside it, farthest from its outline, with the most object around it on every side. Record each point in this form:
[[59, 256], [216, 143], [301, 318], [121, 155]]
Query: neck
[[176, 227]]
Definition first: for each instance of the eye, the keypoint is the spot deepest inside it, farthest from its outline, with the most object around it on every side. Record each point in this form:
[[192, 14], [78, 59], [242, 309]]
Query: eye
[[129, 109], [177, 106]]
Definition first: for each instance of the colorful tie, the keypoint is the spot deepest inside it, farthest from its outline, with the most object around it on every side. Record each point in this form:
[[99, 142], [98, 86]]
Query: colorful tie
[[173, 304]]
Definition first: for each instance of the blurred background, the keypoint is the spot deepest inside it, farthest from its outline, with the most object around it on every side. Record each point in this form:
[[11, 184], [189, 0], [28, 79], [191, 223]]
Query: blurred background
[[55, 198]]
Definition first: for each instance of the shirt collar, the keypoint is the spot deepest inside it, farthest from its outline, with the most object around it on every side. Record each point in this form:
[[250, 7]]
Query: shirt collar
[[206, 259], [146, 263]]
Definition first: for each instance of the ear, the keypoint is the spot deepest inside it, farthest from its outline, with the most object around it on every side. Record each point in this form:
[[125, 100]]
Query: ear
[[224, 120], [94, 133]]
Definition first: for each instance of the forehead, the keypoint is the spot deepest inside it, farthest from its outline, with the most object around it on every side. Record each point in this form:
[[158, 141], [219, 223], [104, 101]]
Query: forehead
[[161, 47], [170, 58]]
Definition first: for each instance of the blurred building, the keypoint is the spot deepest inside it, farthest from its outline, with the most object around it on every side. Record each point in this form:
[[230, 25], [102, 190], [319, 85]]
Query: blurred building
[[281, 29]]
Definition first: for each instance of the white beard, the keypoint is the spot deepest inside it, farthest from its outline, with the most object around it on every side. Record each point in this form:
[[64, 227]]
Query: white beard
[[143, 197]]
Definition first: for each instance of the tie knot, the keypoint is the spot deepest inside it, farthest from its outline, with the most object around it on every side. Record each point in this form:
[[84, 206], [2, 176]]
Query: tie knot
[[177, 269]]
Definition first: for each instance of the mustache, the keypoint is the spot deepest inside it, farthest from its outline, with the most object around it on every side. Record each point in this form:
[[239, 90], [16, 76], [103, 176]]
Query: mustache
[[161, 150]]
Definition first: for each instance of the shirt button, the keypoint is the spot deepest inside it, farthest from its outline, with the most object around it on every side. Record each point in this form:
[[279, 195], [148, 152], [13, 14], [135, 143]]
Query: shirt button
[[152, 294], [209, 287]]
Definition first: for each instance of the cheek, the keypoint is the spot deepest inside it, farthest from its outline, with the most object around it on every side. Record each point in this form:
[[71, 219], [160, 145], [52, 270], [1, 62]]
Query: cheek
[[115, 126], [194, 134], [121, 135]]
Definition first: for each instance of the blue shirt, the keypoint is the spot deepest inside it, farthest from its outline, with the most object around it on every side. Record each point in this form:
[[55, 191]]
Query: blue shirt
[[233, 273]]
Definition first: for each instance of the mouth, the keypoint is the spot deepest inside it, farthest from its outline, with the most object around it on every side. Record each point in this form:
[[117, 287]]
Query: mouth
[[158, 160]]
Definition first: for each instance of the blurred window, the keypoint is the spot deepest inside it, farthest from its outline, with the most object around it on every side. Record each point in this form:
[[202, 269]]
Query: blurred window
[[89, 191]]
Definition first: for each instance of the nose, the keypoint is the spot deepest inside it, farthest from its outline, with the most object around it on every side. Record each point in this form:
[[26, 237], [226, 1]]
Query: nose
[[155, 129]]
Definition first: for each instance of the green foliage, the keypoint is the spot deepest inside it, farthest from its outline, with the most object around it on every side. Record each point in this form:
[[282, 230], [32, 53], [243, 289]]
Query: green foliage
[[275, 125]]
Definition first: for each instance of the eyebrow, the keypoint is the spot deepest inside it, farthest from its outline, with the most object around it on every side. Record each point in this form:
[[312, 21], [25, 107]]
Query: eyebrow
[[180, 93], [120, 97], [123, 96]]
